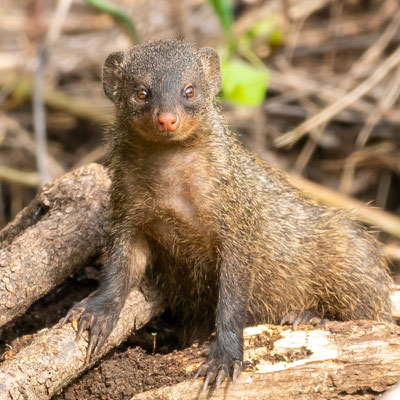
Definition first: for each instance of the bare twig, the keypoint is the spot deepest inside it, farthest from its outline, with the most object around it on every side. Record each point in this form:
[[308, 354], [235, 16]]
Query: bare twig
[[385, 221], [15, 176], [388, 98], [373, 53], [39, 117], [294, 135]]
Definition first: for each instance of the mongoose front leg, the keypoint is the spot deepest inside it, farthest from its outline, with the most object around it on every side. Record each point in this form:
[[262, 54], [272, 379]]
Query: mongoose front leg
[[226, 351], [127, 260]]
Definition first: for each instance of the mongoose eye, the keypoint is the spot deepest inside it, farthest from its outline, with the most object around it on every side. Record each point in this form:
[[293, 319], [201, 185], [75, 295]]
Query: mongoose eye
[[142, 94], [189, 92]]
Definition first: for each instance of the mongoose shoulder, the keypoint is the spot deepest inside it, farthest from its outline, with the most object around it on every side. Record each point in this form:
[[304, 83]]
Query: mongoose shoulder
[[225, 236]]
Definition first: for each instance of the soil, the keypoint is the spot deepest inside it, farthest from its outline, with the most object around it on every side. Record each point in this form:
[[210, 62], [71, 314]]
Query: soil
[[129, 369], [46, 312], [123, 374]]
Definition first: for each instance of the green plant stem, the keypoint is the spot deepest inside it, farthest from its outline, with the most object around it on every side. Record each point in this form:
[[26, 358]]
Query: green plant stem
[[119, 16], [251, 57]]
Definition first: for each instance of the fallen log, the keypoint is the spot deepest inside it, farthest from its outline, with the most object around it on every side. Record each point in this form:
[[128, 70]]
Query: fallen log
[[348, 360], [54, 358], [62, 228]]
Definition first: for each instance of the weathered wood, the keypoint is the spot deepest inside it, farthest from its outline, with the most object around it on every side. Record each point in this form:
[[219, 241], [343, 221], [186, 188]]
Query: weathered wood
[[64, 226], [349, 360], [54, 358]]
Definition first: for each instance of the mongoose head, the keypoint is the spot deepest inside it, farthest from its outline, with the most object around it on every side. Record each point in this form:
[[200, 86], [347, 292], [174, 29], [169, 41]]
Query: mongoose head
[[163, 90]]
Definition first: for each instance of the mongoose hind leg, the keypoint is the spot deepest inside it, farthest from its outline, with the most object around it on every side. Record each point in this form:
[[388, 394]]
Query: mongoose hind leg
[[296, 318]]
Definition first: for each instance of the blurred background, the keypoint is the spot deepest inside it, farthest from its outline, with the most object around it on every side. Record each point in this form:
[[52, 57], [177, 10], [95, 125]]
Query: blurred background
[[311, 85]]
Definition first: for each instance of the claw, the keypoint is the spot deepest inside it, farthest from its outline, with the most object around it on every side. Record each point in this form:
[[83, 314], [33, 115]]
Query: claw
[[289, 318], [99, 344], [205, 365], [220, 378], [92, 344], [296, 318], [297, 322], [66, 319], [84, 324], [198, 372], [72, 315], [237, 369], [210, 377], [91, 317]]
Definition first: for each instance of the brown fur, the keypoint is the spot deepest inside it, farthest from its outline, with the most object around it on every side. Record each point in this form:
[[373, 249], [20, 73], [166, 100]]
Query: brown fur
[[225, 236]]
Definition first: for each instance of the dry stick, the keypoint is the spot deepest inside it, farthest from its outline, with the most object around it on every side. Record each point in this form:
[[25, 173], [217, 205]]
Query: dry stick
[[382, 155], [383, 188], [336, 15], [280, 81], [94, 155], [292, 136], [357, 70], [352, 29], [39, 113], [308, 149], [359, 42], [377, 218], [304, 8], [376, 50], [54, 358], [298, 10], [380, 219], [286, 11], [389, 96], [76, 106], [39, 116], [385, 102], [25, 140], [12, 175]]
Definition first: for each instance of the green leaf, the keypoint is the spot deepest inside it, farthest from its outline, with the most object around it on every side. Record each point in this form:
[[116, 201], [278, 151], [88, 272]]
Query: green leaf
[[243, 83], [119, 16], [224, 11], [270, 28]]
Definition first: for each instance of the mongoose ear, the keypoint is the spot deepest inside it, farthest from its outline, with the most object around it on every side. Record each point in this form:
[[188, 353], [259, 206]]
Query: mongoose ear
[[212, 68], [112, 74]]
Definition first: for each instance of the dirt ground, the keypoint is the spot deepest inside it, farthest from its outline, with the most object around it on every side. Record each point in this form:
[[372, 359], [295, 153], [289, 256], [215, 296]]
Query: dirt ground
[[127, 370]]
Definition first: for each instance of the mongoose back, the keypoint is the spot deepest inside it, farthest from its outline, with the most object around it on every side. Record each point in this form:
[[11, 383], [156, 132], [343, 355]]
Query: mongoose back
[[224, 235]]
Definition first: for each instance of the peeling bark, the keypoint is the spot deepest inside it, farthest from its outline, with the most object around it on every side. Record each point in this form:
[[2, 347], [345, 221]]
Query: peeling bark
[[56, 234], [54, 358], [348, 360], [64, 226]]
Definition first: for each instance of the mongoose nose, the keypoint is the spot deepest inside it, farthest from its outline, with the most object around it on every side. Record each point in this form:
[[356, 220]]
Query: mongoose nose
[[167, 121]]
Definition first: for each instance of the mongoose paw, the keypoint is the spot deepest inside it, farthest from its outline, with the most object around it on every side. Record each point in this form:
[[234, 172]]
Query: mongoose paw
[[217, 370], [97, 318], [296, 318]]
